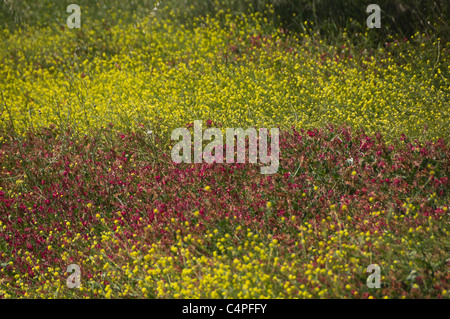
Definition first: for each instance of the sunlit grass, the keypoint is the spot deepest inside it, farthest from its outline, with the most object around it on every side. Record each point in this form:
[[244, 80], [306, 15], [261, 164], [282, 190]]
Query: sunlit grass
[[83, 182]]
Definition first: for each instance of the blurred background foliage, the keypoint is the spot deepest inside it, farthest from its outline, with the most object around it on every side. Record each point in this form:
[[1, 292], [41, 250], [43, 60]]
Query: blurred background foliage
[[329, 18]]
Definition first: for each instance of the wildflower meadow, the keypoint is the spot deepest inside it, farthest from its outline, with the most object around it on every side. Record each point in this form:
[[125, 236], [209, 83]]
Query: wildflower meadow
[[88, 178]]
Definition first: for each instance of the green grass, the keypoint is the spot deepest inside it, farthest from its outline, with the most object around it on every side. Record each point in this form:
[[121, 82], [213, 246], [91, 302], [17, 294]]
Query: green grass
[[363, 175]]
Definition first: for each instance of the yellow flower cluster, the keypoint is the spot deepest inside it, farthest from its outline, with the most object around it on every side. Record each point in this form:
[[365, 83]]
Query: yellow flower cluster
[[161, 75], [326, 262]]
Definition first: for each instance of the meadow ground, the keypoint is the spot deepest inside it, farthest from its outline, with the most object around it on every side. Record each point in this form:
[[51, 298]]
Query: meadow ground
[[86, 175]]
